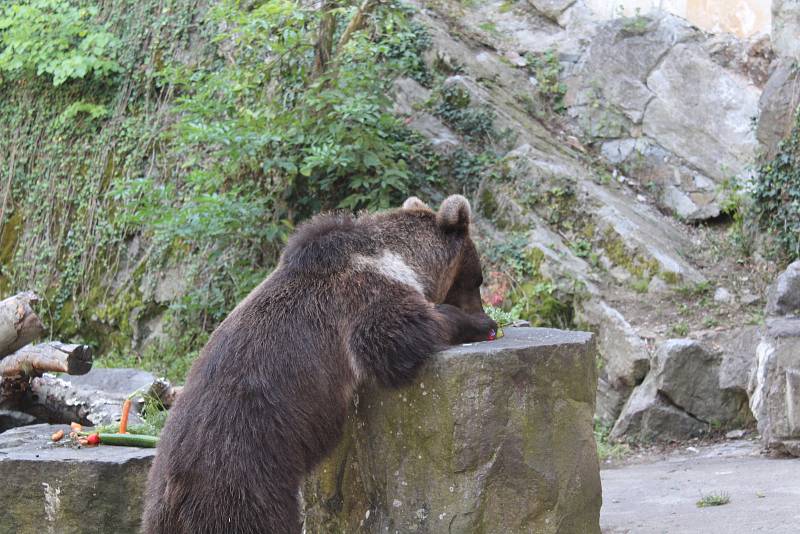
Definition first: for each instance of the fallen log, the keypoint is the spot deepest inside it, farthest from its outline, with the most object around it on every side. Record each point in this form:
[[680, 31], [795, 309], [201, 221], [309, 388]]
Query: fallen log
[[19, 325], [52, 357]]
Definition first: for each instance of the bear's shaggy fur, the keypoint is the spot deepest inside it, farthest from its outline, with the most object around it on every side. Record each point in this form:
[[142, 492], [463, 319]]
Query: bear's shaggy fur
[[352, 299]]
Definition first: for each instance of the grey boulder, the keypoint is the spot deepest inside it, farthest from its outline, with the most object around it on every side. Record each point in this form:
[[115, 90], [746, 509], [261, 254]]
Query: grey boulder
[[493, 437]]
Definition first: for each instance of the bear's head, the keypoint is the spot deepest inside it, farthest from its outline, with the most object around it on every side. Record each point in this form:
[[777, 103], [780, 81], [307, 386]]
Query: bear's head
[[442, 252]]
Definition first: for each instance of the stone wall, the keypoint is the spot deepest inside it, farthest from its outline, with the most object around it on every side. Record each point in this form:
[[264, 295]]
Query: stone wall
[[494, 437]]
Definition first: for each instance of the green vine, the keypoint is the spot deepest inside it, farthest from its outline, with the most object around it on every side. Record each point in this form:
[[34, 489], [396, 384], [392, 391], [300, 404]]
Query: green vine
[[776, 193]]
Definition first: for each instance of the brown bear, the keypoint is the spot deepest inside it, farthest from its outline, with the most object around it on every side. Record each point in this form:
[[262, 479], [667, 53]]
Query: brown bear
[[352, 299]]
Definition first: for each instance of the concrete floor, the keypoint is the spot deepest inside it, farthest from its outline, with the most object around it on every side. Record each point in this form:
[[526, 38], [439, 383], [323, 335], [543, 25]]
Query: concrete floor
[[659, 495]]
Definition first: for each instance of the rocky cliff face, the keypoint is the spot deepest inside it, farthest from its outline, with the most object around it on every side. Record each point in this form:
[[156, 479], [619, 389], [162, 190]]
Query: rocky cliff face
[[611, 175]]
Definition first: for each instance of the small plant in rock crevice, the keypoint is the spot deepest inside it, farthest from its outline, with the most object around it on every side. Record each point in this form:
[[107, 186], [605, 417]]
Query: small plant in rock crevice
[[453, 105], [607, 450], [680, 329], [737, 204], [546, 69], [637, 24]]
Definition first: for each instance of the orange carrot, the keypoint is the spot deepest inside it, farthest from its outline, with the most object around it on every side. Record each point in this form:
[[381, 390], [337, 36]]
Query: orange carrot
[[123, 422]]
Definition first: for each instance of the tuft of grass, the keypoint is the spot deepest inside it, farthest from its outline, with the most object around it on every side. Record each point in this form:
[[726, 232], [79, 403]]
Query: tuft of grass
[[605, 449], [694, 290], [490, 27], [507, 6], [680, 329], [714, 499], [640, 285]]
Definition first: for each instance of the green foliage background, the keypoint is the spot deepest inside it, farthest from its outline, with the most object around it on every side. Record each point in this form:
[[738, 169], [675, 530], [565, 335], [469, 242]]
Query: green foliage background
[[144, 136]]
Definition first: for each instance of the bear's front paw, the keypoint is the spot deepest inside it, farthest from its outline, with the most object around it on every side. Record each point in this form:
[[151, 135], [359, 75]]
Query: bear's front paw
[[480, 327], [489, 327]]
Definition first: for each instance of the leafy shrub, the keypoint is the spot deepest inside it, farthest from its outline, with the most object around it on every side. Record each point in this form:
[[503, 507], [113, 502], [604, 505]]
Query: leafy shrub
[[776, 193], [55, 38], [500, 316], [265, 138], [527, 292], [452, 105], [268, 141], [546, 68], [406, 42]]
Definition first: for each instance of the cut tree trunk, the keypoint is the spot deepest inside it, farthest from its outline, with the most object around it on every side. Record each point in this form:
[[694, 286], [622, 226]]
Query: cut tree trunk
[[19, 325], [51, 357]]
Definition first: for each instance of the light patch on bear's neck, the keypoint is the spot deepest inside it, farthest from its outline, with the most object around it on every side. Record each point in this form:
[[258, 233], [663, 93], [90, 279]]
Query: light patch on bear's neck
[[391, 266]]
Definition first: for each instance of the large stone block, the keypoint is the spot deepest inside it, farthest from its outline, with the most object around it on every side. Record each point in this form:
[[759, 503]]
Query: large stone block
[[649, 415], [775, 386], [702, 112], [688, 373], [493, 437], [690, 388], [55, 488], [785, 27]]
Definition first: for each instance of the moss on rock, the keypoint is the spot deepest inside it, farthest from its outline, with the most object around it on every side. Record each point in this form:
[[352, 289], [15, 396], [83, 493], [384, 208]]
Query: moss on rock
[[493, 437]]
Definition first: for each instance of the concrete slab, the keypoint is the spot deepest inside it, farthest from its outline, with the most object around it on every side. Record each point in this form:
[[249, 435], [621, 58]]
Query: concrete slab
[[660, 497]]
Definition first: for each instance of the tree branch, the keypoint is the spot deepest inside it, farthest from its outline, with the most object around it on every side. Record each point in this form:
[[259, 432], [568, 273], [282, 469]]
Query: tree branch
[[356, 22], [323, 48], [34, 360]]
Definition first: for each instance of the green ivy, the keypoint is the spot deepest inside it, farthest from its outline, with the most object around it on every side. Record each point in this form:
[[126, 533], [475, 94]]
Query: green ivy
[[776, 193], [57, 38], [474, 123]]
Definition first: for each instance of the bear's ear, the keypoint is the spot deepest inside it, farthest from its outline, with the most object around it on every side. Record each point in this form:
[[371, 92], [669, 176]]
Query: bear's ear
[[454, 213], [413, 203]]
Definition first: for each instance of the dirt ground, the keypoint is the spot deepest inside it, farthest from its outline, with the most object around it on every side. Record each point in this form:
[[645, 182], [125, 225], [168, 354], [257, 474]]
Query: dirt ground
[[658, 492]]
